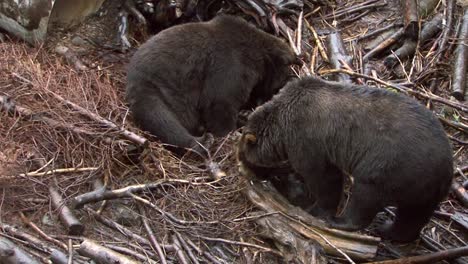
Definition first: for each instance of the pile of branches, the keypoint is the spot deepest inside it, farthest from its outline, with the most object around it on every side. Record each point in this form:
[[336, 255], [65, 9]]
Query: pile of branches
[[81, 182]]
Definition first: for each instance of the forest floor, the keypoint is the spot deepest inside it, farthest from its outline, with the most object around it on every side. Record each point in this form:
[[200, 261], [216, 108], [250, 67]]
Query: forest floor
[[59, 140]]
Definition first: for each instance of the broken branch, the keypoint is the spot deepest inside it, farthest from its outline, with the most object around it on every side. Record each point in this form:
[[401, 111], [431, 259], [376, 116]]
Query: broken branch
[[429, 258], [102, 254], [461, 57], [72, 223]]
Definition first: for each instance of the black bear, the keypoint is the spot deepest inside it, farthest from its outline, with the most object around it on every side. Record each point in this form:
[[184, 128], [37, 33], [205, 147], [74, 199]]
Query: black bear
[[191, 80], [394, 148]]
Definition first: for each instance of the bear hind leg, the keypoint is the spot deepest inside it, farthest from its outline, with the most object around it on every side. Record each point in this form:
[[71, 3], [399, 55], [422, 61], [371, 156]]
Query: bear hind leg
[[361, 210], [408, 223], [152, 115]]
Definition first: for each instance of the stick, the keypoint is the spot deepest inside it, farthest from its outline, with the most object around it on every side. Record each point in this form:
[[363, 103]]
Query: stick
[[245, 244], [10, 253], [461, 57], [185, 245], [460, 192], [40, 232], [103, 194], [180, 253], [154, 242], [337, 54], [430, 29], [429, 258], [8, 105], [127, 251], [317, 41], [385, 44], [72, 223], [202, 252], [124, 132], [102, 254], [427, 95]]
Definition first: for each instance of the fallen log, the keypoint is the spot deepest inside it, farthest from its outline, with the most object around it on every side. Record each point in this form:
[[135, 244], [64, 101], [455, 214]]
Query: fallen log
[[461, 57], [430, 29], [428, 258], [102, 254], [339, 58], [334, 242], [10, 253]]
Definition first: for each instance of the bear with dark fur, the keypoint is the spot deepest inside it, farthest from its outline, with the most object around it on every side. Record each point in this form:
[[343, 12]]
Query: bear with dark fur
[[394, 148], [191, 80]]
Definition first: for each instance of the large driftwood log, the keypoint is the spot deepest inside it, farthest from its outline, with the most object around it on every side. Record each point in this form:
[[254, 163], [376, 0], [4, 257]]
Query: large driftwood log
[[334, 242]]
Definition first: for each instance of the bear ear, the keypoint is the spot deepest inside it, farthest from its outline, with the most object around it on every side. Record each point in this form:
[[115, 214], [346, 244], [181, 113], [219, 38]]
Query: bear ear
[[250, 138]]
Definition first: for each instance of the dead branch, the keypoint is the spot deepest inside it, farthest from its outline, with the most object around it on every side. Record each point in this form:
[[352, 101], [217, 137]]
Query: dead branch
[[29, 239], [379, 31], [104, 194], [71, 57], [102, 254], [318, 42], [10, 253], [430, 29], [355, 8], [460, 192], [8, 105], [40, 232], [427, 95], [384, 45], [136, 255], [411, 20], [339, 58], [202, 252], [461, 57], [68, 218], [124, 132], [154, 242], [429, 258], [185, 246], [292, 246], [245, 244], [178, 248]]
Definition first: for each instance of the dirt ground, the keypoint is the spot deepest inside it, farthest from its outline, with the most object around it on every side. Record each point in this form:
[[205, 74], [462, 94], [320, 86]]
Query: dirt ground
[[70, 150]]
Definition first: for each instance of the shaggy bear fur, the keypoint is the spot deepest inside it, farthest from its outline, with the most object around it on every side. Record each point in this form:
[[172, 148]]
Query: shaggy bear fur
[[192, 79], [394, 148]]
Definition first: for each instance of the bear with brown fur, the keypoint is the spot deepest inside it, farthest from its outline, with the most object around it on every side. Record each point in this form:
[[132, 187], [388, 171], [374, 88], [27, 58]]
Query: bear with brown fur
[[191, 80], [394, 148]]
